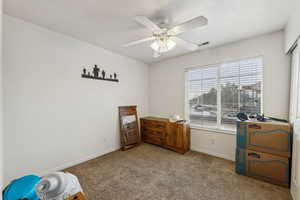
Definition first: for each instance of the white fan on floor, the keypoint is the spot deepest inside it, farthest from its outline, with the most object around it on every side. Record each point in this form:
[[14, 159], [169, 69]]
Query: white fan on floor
[[166, 39]]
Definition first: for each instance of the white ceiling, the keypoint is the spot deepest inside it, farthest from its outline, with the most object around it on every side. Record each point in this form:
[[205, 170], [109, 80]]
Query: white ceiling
[[109, 23]]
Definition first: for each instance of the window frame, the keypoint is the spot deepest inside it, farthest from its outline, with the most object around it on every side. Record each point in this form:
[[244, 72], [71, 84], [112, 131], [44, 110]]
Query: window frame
[[219, 118]]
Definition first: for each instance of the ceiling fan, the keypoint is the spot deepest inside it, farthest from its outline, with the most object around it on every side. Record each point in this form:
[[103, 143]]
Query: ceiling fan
[[166, 38]]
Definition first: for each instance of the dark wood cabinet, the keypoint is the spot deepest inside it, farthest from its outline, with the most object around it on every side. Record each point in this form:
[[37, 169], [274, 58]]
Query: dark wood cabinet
[[159, 131]]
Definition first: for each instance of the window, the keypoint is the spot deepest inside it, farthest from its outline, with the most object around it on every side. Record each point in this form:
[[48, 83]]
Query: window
[[215, 94]]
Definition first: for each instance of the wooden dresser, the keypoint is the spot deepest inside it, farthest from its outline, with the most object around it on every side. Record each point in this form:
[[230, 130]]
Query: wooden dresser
[[159, 131]]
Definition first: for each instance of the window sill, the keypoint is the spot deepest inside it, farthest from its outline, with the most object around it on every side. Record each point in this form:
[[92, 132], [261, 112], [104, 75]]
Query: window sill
[[230, 132]]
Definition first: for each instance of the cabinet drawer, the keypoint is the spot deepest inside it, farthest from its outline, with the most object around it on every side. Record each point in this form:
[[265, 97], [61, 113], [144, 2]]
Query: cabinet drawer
[[152, 139], [154, 124], [268, 167], [268, 137], [149, 131]]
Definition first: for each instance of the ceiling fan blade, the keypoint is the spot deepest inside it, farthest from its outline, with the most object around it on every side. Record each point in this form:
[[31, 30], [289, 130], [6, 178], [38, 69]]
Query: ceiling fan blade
[[145, 21], [139, 41], [185, 44], [189, 25]]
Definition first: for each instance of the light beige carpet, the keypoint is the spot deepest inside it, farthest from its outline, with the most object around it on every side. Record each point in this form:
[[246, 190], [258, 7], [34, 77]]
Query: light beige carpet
[[149, 172]]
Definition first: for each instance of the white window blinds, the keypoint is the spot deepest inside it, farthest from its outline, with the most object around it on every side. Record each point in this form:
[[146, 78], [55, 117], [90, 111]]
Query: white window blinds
[[217, 93], [203, 96]]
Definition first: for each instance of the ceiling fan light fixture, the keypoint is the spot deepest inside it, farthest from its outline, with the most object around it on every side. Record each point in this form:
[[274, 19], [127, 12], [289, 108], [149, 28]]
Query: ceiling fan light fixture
[[162, 46]]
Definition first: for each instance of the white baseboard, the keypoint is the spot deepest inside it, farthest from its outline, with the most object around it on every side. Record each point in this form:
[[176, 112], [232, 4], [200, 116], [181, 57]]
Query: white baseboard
[[76, 162], [95, 155], [67, 164], [216, 154]]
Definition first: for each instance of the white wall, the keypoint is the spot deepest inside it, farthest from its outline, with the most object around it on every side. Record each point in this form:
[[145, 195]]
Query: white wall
[[167, 85], [53, 118], [292, 30], [1, 111]]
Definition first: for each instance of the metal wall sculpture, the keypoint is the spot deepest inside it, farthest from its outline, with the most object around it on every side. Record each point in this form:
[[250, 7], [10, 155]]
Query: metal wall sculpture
[[98, 74]]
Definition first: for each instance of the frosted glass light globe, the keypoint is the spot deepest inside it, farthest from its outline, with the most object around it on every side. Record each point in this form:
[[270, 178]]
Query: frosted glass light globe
[[163, 45]]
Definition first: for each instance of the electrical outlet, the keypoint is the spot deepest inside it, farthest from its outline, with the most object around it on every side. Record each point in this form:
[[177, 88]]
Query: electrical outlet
[[212, 141]]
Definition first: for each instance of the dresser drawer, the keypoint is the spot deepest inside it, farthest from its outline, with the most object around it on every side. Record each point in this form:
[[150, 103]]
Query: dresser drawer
[[267, 167], [268, 137], [153, 139], [154, 124], [149, 131]]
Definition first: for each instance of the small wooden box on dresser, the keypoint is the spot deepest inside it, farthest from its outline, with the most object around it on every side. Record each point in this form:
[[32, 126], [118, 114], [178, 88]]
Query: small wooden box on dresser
[[159, 131]]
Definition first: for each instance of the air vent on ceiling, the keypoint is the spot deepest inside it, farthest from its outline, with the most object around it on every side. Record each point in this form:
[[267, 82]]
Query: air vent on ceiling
[[203, 44]]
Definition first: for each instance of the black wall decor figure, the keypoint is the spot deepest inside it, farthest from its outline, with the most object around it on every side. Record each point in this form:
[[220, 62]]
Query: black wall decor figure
[[98, 74], [103, 74], [96, 71]]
